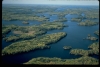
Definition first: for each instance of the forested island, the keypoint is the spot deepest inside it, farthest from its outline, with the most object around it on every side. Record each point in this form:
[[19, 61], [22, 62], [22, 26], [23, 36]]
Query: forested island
[[26, 32], [36, 43], [96, 32], [58, 61], [89, 37], [87, 23], [67, 47], [25, 22], [76, 19]]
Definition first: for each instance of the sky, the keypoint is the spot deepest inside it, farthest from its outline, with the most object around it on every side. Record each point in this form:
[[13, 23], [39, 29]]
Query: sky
[[55, 2]]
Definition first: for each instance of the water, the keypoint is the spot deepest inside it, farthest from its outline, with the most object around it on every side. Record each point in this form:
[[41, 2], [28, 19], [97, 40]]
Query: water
[[18, 22], [74, 38], [4, 43], [83, 14], [77, 33], [53, 17]]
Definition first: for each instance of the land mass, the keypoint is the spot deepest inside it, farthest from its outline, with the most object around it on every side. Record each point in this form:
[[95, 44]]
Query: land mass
[[36, 43]]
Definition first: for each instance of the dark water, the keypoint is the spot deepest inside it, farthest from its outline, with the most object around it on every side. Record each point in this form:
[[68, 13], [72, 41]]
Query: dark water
[[4, 43], [95, 56], [74, 38]]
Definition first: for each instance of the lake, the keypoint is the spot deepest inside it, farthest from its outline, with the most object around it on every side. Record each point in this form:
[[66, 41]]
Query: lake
[[74, 38]]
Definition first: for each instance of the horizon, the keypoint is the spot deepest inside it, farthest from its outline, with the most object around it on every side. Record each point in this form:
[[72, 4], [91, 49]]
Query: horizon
[[52, 2]]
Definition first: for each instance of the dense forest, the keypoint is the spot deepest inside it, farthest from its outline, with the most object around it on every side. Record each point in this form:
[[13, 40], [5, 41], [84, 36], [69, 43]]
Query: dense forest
[[85, 60]]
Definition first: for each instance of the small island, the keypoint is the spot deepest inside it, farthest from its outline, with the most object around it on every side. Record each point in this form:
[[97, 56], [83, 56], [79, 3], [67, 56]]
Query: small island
[[76, 19], [96, 32], [88, 23], [89, 37], [67, 47], [92, 38], [24, 22]]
